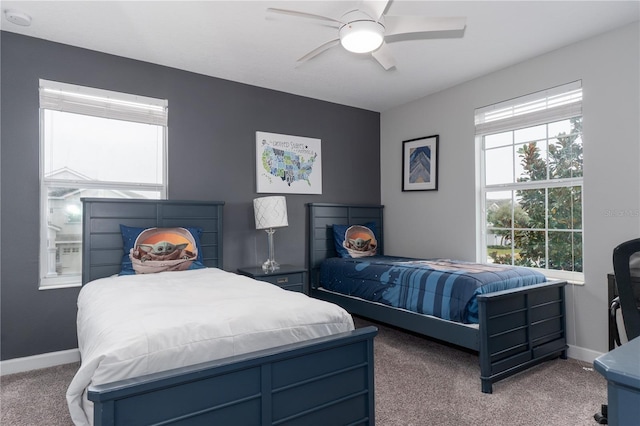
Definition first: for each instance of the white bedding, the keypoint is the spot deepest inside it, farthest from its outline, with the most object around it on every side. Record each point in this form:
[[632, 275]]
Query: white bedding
[[129, 326]]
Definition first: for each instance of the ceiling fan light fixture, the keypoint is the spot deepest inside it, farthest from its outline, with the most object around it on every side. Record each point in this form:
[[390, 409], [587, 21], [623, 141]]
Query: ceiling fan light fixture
[[362, 36]]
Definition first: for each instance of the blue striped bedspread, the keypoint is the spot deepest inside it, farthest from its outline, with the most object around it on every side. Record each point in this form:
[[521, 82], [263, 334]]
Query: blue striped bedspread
[[440, 287]]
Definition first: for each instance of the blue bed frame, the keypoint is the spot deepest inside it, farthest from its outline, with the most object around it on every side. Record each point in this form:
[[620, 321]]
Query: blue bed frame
[[316, 382], [517, 328]]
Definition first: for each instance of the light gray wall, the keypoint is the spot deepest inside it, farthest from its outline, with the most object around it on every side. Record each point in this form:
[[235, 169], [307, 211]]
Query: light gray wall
[[212, 125], [443, 223]]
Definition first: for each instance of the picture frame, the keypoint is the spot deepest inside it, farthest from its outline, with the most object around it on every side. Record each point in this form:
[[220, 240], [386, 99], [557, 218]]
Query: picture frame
[[420, 164], [287, 164]]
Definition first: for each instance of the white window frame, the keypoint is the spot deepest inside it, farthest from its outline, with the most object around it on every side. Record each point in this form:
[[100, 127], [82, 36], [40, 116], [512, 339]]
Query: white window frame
[[555, 104], [94, 102]]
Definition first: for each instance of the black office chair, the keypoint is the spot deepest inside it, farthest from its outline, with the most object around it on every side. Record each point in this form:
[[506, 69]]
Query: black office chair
[[628, 290], [628, 299]]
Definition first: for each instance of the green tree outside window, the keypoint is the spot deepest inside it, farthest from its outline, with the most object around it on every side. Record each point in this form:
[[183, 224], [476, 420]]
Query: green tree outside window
[[558, 210]]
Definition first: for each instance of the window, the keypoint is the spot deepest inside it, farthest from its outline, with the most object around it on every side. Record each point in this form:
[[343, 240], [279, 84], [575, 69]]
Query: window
[[531, 182], [93, 143]]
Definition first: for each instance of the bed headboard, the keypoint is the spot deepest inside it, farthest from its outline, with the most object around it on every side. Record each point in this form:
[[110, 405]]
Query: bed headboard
[[323, 216], [102, 246]]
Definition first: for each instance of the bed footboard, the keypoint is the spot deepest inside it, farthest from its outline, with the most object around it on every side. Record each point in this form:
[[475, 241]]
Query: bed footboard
[[317, 382], [520, 328]]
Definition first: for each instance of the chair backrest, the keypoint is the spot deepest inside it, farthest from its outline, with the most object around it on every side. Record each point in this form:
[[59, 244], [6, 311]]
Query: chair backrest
[[628, 288]]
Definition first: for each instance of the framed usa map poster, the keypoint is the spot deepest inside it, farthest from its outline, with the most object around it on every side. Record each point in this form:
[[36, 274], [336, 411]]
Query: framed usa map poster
[[288, 164]]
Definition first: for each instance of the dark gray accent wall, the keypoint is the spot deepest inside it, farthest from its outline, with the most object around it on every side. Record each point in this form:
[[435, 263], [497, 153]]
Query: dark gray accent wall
[[212, 125]]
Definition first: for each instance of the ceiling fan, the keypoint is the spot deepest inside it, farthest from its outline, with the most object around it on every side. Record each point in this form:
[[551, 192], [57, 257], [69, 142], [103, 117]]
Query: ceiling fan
[[367, 30]]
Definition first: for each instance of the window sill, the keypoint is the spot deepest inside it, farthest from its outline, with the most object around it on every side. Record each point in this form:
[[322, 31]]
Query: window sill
[[58, 286], [573, 278], [57, 283]]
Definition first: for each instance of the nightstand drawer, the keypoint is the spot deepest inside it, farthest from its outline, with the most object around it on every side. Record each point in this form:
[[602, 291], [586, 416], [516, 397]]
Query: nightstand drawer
[[288, 277], [284, 280], [295, 287]]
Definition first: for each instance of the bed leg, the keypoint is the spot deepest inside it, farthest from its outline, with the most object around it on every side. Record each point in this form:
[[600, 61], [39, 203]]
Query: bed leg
[[487, 386], [563, 354]]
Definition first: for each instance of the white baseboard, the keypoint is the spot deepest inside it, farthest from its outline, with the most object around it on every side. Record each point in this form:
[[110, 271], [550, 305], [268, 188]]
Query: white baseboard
[[51, 359], [583, 354]]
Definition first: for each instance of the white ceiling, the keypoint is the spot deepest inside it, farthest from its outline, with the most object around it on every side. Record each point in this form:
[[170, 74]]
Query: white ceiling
[[237, 40]]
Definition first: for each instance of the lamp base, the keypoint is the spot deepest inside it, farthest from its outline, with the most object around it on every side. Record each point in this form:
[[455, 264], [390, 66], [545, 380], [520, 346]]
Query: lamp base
[[270, 265]]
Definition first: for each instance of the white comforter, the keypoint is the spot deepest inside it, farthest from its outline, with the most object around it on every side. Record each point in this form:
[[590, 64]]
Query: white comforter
[[134, 325]]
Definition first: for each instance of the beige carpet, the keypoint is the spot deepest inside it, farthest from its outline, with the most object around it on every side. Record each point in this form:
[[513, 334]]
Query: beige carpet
[[422, 382], [36, 397]]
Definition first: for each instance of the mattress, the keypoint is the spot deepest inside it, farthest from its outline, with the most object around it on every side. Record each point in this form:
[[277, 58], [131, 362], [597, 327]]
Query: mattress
[[444, 288], [134, 325]]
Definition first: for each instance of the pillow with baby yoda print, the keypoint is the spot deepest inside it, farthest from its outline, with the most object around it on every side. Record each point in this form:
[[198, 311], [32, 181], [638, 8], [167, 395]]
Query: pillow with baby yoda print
[[151, 250], [355, 240]]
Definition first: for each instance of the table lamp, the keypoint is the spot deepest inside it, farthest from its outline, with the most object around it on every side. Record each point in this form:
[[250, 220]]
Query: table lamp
[[270, 213]]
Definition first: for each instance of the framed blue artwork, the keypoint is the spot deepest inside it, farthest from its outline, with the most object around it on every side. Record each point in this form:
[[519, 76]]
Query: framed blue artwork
[[420, 164]]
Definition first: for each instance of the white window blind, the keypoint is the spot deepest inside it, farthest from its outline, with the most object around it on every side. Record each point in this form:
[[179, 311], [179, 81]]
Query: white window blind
[[102, 103], [557, 103]]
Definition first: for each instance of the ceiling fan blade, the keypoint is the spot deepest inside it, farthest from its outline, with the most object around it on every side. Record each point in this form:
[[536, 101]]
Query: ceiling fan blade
[[373, 8], [395, 25], [384, 56], [318, 50], [304, 15]]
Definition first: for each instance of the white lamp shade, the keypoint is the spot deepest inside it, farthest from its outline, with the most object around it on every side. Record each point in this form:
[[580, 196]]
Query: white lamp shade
[[270, 212]]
